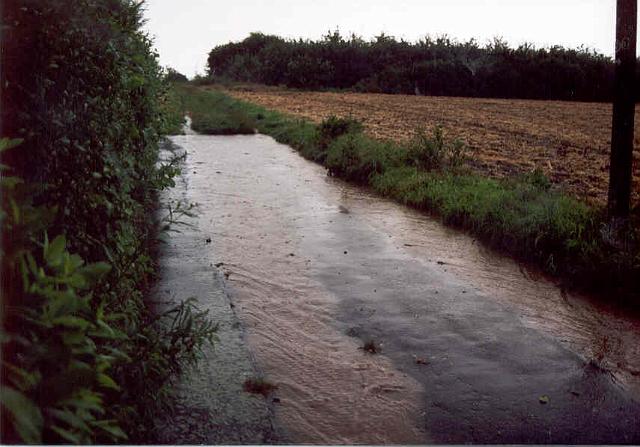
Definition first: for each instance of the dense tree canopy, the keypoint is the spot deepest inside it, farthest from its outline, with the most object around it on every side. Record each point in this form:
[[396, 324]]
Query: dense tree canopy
[[431, 66]]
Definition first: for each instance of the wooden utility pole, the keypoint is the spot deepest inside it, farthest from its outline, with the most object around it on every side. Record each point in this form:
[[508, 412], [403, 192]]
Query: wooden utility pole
[[624, 94]]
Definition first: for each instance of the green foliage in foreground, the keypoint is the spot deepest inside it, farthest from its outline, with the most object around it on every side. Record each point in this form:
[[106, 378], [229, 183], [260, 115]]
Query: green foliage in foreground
[[523, 216], [84, 360]]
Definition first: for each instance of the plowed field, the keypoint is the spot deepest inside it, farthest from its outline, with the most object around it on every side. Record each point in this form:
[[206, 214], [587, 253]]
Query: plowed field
[[569, 141]]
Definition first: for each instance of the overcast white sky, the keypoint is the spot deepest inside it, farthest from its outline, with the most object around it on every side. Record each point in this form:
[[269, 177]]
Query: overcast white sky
[[185, 30]]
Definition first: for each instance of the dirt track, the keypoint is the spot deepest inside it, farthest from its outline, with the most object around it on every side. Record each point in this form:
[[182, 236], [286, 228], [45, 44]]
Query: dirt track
[[569, 141]]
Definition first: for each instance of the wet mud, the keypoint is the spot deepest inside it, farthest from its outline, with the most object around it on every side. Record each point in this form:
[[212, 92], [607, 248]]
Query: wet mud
[[470, 346]]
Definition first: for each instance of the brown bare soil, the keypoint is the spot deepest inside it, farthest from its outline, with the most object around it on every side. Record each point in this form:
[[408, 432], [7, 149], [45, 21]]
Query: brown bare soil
[[569, 141]]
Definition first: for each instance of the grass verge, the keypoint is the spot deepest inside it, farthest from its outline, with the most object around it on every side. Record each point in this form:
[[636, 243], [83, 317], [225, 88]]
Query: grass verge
[[523, 216], [214, 114]]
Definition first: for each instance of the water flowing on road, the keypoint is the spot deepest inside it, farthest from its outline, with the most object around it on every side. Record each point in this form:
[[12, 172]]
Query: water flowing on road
[[472, 346]]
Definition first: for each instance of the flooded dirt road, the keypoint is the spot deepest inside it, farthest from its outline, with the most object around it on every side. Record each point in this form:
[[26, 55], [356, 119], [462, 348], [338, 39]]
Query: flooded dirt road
[[472, 347]]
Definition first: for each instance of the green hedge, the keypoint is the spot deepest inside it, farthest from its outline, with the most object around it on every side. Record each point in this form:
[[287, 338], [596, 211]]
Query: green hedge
[[84, 359]]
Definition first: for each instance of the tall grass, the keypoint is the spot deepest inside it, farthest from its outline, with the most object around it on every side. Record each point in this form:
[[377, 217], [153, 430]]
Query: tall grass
[[214, 114]]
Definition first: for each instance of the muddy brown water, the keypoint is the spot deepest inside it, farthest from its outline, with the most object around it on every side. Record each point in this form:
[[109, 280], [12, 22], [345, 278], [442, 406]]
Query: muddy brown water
[[473, 347]]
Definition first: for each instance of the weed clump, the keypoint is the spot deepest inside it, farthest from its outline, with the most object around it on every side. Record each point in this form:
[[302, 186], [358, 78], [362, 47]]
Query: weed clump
[[330, 129], [357, 157], [434, 152]]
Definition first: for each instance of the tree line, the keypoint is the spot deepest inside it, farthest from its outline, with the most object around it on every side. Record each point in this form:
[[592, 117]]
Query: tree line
[[438, 66]]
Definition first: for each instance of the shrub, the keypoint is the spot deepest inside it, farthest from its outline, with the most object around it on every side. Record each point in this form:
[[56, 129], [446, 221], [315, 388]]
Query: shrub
[[536, 179], [357, 158], [329, 130], [333, 127]]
